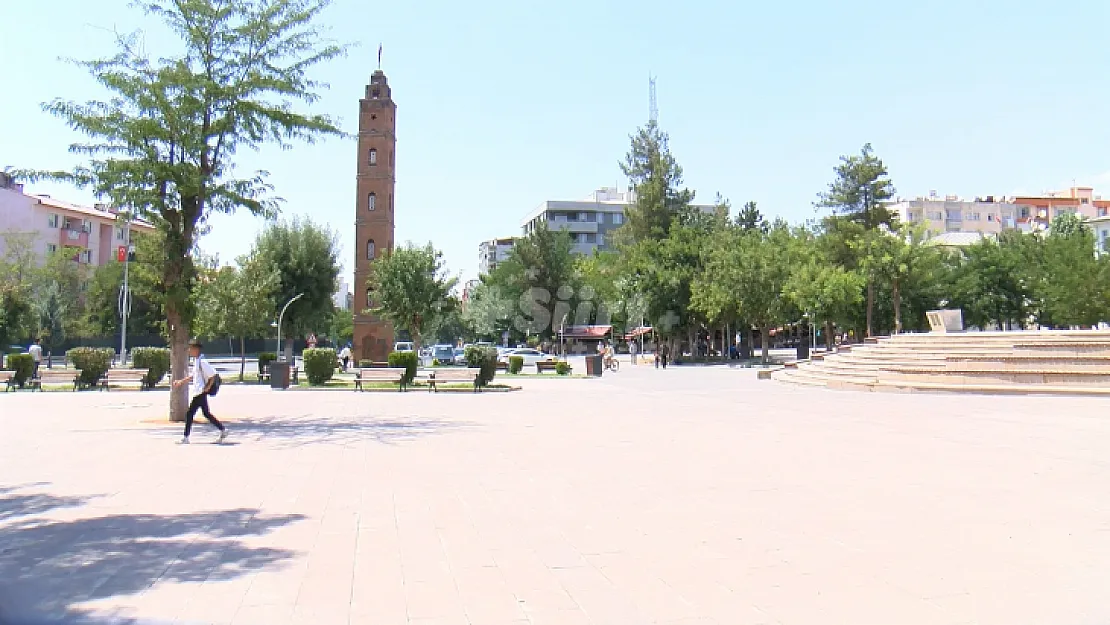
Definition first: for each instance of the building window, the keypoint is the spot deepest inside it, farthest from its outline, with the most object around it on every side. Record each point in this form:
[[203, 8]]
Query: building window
[[370, 250], [972, 217], [53, 220], [51, 248], [583, 217], [618, 219], [590, 238], [1023, 212], [373, 156], [600, 239], [371, 201], [86, 256], [369, 298], [1101, 212], [990, 216]]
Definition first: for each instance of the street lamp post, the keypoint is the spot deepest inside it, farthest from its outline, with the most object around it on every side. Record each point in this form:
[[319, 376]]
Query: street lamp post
[[563, 336], [281, 352]]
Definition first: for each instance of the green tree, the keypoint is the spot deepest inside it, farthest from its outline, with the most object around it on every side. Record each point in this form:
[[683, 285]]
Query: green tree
[[341, 327], [750, 218], [991, 283], [237, 302], [163, 144], [824, 289], [412, 289], [306, 258], [1074, 290], [859, 193], [489, 311], [904, 257], [57, 296], [540, 277], [656, 177]]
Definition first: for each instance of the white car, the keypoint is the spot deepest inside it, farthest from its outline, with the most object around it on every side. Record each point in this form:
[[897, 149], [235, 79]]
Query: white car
[[530, 356], [403, 346]]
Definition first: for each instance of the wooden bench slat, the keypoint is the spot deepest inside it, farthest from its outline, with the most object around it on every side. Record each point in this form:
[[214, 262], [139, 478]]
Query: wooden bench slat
[[380, 374]]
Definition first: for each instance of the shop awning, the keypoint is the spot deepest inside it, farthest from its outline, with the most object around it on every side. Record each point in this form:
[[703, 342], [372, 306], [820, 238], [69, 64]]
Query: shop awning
[[586, 332], [637, 332]]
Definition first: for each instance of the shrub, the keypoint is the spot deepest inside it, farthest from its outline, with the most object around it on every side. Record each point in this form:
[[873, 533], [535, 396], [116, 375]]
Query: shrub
[[365, 364], [562, 367], [532, 341], [407, 361], [92, 361], [264, 360], [319, 364], [516, 363], [22, 364], [485, 360], [156, 360]]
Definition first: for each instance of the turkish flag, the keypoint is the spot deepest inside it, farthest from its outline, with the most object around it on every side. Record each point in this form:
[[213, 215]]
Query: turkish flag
[[121, 253]]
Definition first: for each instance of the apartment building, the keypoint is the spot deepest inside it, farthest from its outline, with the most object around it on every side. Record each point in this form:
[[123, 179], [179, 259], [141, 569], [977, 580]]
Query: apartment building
[[95, 232], [991, 214], [589, 221], [492, 253]]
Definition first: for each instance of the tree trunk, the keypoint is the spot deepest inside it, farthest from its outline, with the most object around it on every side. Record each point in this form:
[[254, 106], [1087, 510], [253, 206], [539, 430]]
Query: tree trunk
[[242, 357], [765, 343], [897, 296], [179, 361], [829, 338], [870, 303]]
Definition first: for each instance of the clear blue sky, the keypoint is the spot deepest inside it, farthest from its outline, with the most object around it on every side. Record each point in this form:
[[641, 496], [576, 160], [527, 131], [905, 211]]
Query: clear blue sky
[[504, 105]]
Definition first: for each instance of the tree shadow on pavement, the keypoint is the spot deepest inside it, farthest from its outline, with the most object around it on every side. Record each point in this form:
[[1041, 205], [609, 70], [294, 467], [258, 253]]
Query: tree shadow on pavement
[[313, 429], [49, 566]]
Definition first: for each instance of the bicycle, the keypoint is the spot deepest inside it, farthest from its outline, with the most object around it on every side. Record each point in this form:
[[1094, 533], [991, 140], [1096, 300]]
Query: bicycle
[[612, 365]]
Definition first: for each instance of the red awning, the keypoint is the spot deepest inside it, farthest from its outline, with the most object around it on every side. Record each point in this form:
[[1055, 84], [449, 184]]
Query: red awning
[[586, 332], [638, 332]]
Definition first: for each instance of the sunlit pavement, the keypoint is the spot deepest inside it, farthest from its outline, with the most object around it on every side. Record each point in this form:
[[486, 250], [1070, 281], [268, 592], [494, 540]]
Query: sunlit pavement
[[692, 495]]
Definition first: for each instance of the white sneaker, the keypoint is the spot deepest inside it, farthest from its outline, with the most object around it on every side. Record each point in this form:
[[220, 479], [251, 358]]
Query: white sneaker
[[184, 440], [223, 435]]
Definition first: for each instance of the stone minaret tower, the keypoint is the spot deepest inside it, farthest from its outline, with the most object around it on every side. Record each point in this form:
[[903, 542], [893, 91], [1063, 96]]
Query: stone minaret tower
[[377, 140]]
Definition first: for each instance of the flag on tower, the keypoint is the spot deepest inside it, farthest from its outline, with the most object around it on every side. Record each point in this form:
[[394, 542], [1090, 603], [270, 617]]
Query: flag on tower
[[379, 56]]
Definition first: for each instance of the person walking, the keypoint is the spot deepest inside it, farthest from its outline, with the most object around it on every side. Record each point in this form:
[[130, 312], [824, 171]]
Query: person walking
[[632, 350], [200, 382], [666, 352], [35, 350], [345, 356]]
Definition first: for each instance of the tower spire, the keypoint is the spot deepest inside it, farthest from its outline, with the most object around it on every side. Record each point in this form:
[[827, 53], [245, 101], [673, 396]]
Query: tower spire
[[653, 108]]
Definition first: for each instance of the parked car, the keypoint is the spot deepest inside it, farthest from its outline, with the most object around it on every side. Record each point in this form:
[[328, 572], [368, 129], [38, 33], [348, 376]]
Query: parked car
[[460, 356], [531, 356], [402, 346], [445, 354]]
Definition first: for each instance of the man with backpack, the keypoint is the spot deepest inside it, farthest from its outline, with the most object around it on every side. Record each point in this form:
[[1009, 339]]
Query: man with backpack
[[203, 382]]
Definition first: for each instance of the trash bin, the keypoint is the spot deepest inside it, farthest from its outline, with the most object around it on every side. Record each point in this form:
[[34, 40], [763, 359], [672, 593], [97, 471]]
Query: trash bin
[[279, 375], [803, 350], [593, 366]]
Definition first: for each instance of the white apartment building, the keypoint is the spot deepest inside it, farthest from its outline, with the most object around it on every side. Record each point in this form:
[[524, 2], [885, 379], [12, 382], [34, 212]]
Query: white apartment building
[[991, 214], [96, 233], [342, 297], [589, 221], [492, 253]]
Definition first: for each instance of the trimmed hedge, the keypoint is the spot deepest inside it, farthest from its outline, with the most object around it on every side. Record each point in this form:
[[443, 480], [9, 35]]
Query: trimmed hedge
[[92, 361], [319, 364], [562, 367], [485, 360], [407, 361], [22, 364], [516, 364], [156, 360], [365, 364], [264, 360]]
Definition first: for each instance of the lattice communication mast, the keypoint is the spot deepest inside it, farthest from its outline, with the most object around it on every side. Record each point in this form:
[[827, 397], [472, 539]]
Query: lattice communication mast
[[653, 107]]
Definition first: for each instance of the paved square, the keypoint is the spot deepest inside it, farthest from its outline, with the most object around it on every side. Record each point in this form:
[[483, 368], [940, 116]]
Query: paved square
[[692, 495]]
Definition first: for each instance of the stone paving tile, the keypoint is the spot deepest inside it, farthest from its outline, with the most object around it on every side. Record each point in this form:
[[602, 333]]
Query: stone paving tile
[[691, 496]]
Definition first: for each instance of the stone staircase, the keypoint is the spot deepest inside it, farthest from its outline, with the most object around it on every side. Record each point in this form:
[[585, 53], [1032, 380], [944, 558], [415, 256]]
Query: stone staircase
[[1073, 362]]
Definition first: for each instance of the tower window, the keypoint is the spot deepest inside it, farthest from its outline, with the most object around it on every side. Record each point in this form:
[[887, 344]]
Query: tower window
[[372, 201], [373, 156], [369, 298], [370, 249], [377, 93]]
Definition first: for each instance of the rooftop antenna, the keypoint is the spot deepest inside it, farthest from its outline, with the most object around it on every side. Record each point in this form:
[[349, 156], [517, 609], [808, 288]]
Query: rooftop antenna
[[653, 107]]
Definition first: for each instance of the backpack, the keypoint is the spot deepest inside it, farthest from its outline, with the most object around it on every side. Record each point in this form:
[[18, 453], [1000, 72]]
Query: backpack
[[214, 387]]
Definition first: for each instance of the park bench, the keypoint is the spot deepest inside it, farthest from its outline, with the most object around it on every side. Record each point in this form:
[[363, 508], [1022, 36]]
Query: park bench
[[294, 375], [123, 377], [546, 366], [393, 375], [8, 378], [49, 376], [452, 375]]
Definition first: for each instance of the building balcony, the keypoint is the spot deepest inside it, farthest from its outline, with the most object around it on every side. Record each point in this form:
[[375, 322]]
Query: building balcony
[[573, 226], [73, 237]]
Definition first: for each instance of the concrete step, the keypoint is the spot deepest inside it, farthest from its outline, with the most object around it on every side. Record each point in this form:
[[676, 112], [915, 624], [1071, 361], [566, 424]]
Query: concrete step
[[1041, 377], [992, 389]]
